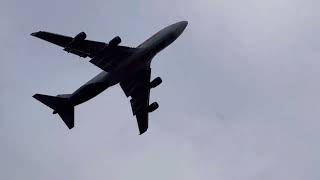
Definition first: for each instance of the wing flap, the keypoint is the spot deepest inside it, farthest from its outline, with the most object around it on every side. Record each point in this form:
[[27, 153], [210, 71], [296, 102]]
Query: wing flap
[[138, 104]]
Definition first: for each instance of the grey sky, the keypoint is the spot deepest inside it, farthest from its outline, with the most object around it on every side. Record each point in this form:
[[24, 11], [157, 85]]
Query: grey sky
[[240, 97]]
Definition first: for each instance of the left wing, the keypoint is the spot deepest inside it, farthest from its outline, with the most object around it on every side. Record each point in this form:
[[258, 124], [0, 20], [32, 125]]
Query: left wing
[[78, 44], [105, 56], [138, 87]]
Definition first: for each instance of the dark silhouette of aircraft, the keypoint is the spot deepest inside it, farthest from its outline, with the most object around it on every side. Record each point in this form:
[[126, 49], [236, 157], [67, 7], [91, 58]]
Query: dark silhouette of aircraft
[[125, 65]]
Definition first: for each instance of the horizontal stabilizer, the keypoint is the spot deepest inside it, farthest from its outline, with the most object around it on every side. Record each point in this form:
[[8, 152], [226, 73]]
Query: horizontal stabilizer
[[60, 105]]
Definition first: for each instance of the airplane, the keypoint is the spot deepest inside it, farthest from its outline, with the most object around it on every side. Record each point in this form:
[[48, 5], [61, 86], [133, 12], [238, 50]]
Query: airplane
[[130, 67]]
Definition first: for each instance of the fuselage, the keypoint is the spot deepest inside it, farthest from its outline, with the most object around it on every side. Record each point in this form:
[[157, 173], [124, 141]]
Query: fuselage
[[145, 52]]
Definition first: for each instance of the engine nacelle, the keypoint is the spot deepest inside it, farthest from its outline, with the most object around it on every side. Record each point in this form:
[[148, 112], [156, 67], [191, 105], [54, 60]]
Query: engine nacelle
[[115, 41], [152, 107], [156, 82], [78, 38]]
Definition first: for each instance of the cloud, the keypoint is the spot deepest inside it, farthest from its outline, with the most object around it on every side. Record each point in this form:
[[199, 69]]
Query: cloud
[[239, 98]]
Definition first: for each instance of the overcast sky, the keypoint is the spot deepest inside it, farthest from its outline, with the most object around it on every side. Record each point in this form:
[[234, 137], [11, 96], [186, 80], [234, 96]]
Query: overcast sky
[[240, 97]]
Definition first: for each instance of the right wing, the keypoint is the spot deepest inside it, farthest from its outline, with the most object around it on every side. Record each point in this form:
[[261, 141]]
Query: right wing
[[104, 57], [138, 88]]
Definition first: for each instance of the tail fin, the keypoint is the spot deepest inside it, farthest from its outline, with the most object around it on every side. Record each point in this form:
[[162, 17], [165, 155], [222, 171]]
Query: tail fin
[[61, 105]]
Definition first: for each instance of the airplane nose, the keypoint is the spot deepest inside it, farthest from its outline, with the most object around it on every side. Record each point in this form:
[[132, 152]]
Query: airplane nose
[[184, 24], [181, 26]]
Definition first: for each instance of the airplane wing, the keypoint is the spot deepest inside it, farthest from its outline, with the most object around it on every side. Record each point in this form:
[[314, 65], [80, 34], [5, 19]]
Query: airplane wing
[[138, 87], [104, 56]]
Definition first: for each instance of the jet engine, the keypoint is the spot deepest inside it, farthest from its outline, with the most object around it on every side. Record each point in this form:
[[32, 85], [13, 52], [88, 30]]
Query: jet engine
[[156, 82], [115, 41], [80, 37], [152, 107], [77, 39]]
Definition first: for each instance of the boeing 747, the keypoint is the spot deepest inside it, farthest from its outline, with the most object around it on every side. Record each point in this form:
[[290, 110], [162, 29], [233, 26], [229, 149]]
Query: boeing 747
[[130, 67]]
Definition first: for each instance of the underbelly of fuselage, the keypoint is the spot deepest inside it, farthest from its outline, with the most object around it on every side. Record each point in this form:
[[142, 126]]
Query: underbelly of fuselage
[[104, 80], [87, 92]]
